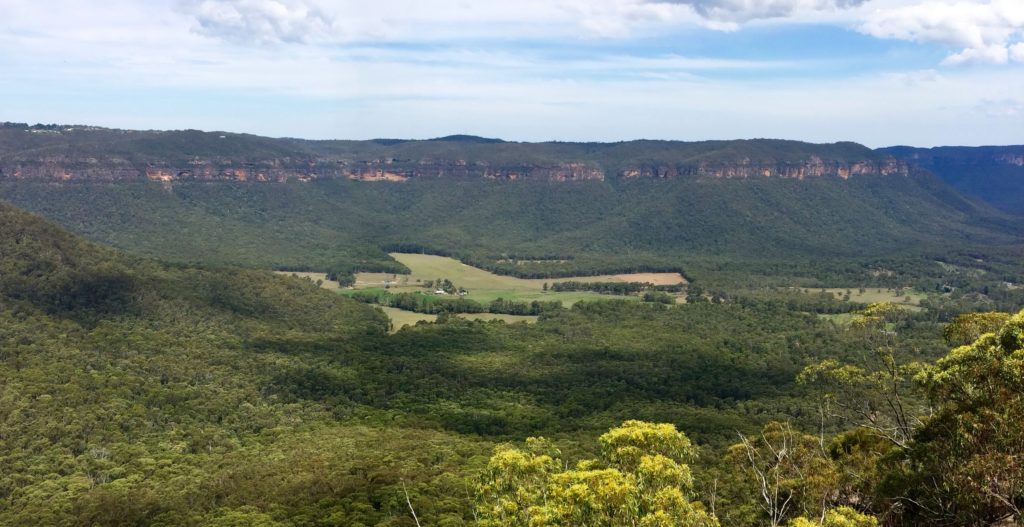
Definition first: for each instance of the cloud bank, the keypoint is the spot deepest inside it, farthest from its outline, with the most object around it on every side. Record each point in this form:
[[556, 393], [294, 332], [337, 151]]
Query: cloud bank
[[875, 71], [973, 31], [742, 11], [261, 21], [986, 32]]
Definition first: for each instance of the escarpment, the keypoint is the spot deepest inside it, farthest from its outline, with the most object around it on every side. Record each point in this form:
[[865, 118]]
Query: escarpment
[[71, 154], [746, 168]]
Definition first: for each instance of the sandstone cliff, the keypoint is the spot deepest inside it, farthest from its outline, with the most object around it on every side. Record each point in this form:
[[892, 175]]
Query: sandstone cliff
[[745, 168], [94, 154]]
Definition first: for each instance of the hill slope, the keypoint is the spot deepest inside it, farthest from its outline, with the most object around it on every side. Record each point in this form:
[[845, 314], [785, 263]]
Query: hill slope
[[529, 228], [138, 393], [833, 213], [992, 173], [66, 153], [135, 393]]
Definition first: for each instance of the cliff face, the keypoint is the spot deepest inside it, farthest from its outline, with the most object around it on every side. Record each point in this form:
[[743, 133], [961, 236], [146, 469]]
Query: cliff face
[[282, 170], [119, 169], [746, 168], [391, 169], [94, 154], [1012, 159], [994, 174]]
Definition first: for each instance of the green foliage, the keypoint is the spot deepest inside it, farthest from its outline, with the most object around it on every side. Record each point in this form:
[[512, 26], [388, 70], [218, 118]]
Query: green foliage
[[984, 172], [158, 409], [433, 304], [973, 440], [779, 474], [642, 479], [142, 393], [966, 328], [610, 288], [719, 232], [838, 517], [659, 297], [944, 455]]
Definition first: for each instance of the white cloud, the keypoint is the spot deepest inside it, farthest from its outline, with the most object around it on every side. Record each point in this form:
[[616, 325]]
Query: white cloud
[[261, 21], [974, 31], [984, 31], [1002, 108], [994, 54], [622, 18], [462, 66], [741, 11], [1017, 52], [918, 78]]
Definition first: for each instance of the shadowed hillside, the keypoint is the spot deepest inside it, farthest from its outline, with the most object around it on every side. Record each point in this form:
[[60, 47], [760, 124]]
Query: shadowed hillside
[[992, 173]]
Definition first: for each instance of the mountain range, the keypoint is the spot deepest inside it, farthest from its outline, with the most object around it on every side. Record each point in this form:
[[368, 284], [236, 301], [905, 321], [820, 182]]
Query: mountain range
[[713, 209]]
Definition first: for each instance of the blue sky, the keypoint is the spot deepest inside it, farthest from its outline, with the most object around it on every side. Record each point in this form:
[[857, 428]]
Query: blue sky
[[880, 72]]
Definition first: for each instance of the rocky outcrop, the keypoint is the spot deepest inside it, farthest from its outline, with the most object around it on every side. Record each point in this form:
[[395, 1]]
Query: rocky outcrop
[[198, 170], [745, 168], [401, 170], [114, 169], [557, 172], [282, 170], [59, 154], [1013, 159]]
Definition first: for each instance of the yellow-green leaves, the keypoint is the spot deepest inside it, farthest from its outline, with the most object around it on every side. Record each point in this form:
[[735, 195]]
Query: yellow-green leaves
[[838, 517], [660, 471], [626, 444], [641, 481], [966, 328], [973, 441], [787, 472]]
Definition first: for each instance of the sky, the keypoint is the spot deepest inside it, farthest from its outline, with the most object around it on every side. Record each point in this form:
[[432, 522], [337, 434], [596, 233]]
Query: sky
[[879, 72]]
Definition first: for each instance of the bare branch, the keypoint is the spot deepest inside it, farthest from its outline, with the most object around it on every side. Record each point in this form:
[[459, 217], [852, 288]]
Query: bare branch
[[409, 502]]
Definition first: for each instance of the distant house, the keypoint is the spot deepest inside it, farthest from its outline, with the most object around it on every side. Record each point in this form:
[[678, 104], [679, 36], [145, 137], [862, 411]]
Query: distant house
[[440, 292]]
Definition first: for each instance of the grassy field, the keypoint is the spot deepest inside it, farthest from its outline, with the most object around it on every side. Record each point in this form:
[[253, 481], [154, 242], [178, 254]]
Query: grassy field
[[872, 295], [510, 319], [400, 317], [485, 287]]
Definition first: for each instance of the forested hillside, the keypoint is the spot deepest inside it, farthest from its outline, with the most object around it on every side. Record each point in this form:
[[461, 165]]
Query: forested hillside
[[85, 153], [726, 213], [141, 393], [173, 380], [994, 174], [812, 232]]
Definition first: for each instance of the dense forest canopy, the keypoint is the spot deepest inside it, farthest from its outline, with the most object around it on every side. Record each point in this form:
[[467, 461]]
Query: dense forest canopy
[[721, 211], [179, 382], [990, 173], [825, 232], [142, 393]]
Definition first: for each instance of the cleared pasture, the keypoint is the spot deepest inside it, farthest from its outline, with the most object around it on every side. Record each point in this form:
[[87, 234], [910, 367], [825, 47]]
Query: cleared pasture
[[400, 317], [873, 295], [484, 286]]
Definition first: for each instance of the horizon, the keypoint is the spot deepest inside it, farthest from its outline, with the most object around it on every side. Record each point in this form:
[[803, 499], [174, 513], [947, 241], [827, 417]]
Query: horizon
[[501, 139], [920, 73]]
